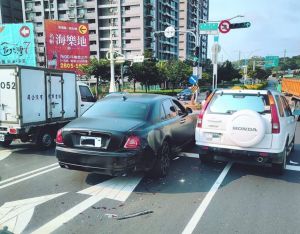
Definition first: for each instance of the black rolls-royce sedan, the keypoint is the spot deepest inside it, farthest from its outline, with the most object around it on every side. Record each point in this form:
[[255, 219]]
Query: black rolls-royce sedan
[[123, 133]]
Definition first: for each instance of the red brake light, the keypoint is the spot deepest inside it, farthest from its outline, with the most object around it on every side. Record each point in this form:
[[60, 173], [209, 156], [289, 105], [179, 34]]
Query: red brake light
[[274, 115], [133, 142], [200, 117], [13, 131], [59, 137]]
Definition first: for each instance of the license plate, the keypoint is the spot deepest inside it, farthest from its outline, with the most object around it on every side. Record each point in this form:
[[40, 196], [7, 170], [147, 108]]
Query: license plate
[[2, 138], [215, 137], [91, 141]]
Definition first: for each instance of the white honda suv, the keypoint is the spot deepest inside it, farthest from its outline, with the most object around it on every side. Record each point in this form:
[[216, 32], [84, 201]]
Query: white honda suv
[[257, 126]]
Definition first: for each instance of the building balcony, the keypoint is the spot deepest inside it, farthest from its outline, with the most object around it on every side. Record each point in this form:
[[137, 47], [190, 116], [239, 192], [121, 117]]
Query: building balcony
[[115, 15], [108, 27], [71, 16], [130, 2], [90, 15]]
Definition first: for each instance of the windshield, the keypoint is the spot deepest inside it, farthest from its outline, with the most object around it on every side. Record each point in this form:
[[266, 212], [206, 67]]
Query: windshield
[[118, 109], [230, 103]]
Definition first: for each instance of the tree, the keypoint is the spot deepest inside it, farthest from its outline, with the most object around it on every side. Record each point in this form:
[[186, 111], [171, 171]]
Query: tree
[[226, 72], [178, 71], [100, 69]]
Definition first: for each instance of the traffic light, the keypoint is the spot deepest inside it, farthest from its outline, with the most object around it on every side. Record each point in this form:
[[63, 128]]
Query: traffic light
[[197, 52], [240, 25]]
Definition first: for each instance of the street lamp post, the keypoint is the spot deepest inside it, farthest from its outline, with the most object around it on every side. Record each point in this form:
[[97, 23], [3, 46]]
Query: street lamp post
[[112, 86]]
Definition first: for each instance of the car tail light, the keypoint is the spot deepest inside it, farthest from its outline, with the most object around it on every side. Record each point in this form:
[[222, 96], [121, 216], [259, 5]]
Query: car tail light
[[200, 117], [59, 137], [274, 115], [133, 142], [13, 131]]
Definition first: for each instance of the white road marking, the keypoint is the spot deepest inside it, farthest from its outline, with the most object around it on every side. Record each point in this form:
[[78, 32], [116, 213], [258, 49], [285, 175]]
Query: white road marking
[[201, 209], [295, 163], [27, 173], [4, 154], [292, 168], [189, 155], [118, 188], [28, 177], [17, 214]]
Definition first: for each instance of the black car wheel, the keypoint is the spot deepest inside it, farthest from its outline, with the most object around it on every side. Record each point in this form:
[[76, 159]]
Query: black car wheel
[[6, 142], [162, 163]]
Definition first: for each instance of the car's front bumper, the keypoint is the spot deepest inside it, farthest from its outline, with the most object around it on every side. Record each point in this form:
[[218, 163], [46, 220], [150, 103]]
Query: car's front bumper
[[108, 163], [242, 156]]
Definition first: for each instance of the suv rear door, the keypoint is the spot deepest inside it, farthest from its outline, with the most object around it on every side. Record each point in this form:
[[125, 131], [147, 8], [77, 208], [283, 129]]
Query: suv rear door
[[219, 116]]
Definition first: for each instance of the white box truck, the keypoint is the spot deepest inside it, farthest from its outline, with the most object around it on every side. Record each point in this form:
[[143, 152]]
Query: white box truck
[[36, 102]]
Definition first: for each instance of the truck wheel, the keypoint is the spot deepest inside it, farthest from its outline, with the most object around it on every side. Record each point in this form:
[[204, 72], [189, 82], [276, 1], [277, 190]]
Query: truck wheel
[[6, 143], [45, 140]]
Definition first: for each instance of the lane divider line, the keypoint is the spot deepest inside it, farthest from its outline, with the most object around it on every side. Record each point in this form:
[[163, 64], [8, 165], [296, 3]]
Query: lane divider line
[[292, 168], [28, 177], [204, 204], [118, 188], [27, 173]]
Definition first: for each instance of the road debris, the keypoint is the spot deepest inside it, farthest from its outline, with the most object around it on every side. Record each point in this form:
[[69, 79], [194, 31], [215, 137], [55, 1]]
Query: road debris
[[135, 214], [111, 216]]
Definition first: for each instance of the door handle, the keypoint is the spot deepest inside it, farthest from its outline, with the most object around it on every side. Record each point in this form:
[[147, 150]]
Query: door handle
[[82, 105]]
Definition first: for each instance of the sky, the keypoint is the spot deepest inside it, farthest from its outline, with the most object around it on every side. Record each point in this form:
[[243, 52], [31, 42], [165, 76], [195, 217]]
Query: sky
[[275, 27]]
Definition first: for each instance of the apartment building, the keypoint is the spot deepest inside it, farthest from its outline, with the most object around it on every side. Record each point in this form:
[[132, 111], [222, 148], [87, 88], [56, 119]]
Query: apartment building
[[188, 20], [134, 25], [11, 11], [81, 11], [167, 14]]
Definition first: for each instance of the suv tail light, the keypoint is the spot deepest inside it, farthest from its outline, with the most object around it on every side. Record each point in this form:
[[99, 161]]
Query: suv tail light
[[59, 137], [274, 115], [133, 142], [200, 116], [13, 131]]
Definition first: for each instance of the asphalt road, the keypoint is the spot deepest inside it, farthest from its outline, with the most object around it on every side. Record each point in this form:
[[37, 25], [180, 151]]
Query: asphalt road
[[36, 196]]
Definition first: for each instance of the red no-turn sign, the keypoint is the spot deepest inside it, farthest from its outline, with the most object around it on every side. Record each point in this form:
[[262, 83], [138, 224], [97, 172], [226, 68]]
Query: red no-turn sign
[[224, 26]]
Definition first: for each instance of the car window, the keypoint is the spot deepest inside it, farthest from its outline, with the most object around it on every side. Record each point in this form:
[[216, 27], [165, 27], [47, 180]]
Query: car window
[[280, 108], [121, 109], [231, 102], [85, 93], [180, 109], [286, 107], [167, 104]]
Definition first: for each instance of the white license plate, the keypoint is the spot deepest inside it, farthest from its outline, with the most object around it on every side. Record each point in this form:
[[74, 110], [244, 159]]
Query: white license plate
[[91, 141], [2, 138], [214, 137]]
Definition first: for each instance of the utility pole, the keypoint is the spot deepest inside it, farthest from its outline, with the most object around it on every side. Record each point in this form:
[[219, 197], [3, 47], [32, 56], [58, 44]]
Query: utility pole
[[112, 86], [284, 55]]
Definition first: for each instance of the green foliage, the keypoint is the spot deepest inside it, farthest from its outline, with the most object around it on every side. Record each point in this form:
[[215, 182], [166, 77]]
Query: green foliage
[[98, 68], [226, 72]]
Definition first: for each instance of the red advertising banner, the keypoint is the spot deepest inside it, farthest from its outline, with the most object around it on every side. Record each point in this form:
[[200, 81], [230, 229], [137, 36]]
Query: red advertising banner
[[67, 45]]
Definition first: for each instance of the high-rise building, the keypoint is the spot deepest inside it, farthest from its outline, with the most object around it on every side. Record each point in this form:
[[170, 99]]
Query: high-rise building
[[10, 11], [167, 14], [188, 20], [133, 24]]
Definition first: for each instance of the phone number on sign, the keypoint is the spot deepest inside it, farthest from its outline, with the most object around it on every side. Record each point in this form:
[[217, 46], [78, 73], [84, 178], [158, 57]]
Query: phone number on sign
[[70, 65]]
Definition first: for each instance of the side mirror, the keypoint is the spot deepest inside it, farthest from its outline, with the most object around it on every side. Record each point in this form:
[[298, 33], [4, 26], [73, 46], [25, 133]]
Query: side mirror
[[189, 110]]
